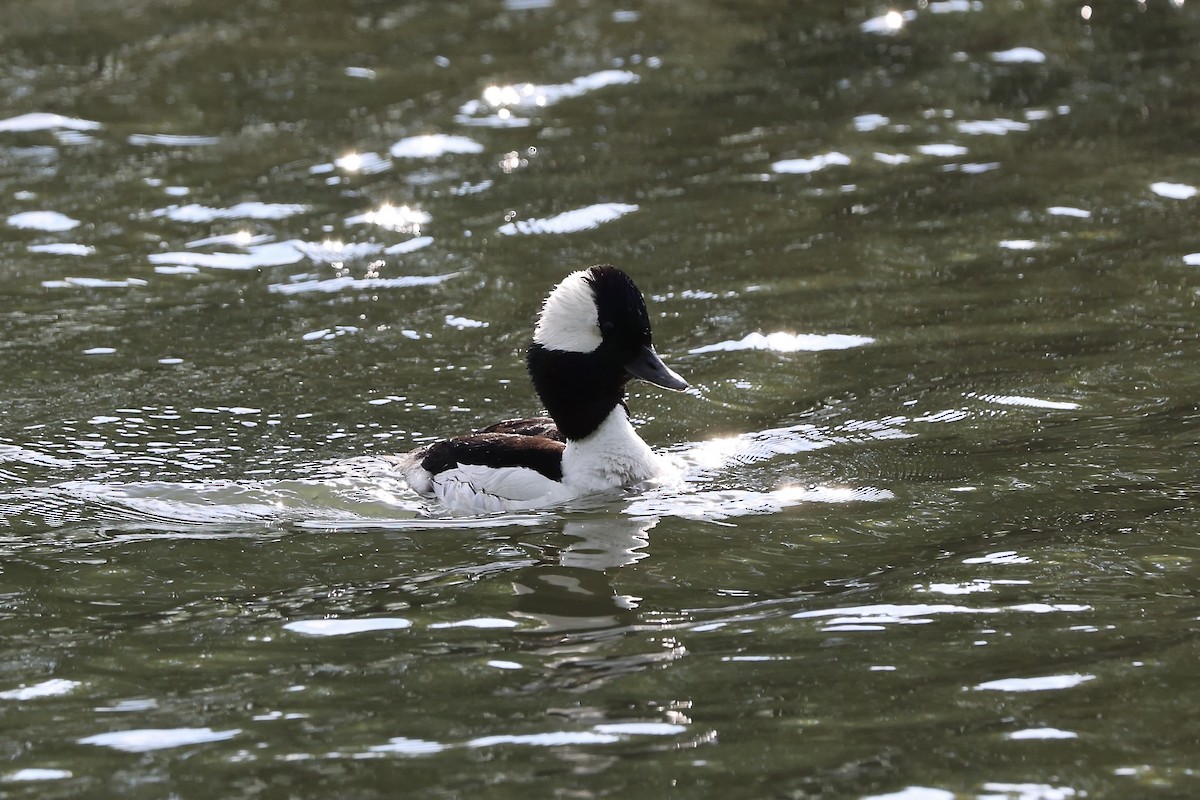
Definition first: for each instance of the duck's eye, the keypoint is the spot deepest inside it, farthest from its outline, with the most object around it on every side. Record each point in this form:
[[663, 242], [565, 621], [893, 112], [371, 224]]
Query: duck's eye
[[607, 327]]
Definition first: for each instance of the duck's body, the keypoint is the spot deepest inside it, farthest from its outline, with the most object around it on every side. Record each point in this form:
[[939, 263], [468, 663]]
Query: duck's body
[[592, 338]]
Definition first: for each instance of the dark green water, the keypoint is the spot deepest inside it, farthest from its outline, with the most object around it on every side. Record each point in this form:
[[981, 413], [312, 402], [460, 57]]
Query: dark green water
[[933, 277]]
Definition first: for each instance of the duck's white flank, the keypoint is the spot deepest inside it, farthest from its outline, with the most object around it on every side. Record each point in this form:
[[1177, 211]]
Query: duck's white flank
[[569, 320]]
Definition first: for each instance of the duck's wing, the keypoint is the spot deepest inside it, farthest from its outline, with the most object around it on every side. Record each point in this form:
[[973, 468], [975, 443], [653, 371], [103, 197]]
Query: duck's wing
[[474, 489], [542, 427], [496, 450], [488, 472]]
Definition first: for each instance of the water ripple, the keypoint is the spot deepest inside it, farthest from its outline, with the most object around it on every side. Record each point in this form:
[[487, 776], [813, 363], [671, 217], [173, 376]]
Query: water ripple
[[405, 219], [579, 219], [41, 121], [497, 105], [346, 282], [172, 140], [54, 687], [150, 739], [1040, 684], [256, 256], [37, 774], [1040, 733], [1069, 211], [992, 127], [63, 249], [196, 212], [888, 24], [1019, 55], [804, 166], [93, 283], [781, 342], [434, 145], [1174, 191], [343, 627], [600, 734], [50, 221]]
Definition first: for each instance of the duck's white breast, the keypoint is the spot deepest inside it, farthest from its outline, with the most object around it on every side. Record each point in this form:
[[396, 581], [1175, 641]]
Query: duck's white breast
[[612, 457]]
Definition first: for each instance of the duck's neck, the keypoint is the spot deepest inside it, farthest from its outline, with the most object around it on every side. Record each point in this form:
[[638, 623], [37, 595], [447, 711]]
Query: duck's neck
[[585, 395], [579, 390], [612, 456]]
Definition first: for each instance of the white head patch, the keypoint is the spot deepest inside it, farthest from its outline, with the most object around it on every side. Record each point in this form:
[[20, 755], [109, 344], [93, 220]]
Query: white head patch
[[569, 320]]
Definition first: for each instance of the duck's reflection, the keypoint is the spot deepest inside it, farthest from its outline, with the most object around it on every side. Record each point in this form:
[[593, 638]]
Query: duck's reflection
[[607, 543], [574, 591]]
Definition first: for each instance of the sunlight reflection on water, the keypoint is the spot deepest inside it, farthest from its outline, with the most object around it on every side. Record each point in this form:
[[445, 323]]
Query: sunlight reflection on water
[[172, 140], [49, 688], [150, 739], [51, 221], [434, 145], [36, 774], [781, 342], [343, 627], [804, 166], [404, 218], [1040, 684], [579, 219], [42, 121], [600, 734], [1174, 191], [63, 249], [198, 213], [500, 105]]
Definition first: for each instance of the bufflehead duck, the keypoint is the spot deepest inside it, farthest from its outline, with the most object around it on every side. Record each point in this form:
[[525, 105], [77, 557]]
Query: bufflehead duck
[[592, 338]]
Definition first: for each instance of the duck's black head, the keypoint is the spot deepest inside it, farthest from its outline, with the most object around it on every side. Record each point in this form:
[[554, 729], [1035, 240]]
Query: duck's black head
[[593, 337]]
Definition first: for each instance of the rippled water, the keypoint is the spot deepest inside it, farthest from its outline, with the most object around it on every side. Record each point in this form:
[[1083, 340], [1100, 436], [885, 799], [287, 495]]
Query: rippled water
[[930, 269]]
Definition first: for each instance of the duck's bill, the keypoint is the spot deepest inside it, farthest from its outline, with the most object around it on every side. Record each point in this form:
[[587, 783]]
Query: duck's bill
[[649, 367]]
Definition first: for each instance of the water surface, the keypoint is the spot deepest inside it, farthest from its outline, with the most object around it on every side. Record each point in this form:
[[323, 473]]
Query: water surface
[[931, 270]]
